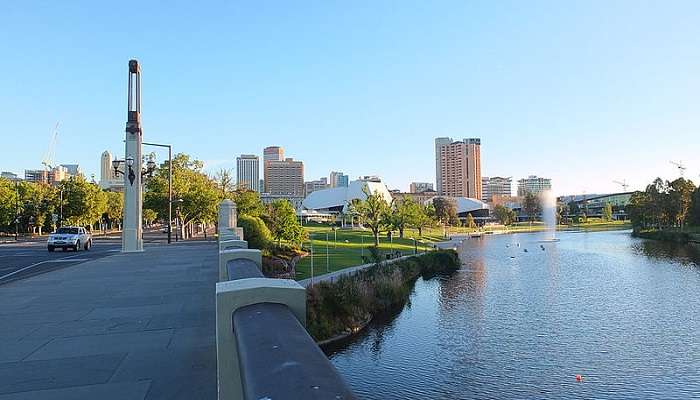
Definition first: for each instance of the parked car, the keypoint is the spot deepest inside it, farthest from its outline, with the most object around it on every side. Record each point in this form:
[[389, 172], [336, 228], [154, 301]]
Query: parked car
[[70, 237]]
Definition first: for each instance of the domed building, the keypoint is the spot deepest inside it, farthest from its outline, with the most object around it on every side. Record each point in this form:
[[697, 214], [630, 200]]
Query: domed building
[[336, 200]]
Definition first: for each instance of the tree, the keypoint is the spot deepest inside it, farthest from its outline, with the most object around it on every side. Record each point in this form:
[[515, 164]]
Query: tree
[[445, 212], [531, 205], [198, 192], [607, 212], [470, 221], [374, 212], [405, 212], [115, 208], [149, 216], [637, 210], [680, 200], [504, 215], [83, 202], [224, 181], [282, 221], [255, 231], [39, 201], [695, 207], [8, 203], [248, 202], [425, 217]]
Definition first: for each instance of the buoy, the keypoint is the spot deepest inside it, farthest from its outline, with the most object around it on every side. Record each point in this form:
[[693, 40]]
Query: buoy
[[525, 250], [579, 378]]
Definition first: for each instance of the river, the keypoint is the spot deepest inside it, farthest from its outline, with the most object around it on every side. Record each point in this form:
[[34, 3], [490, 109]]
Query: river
[[513, 324]]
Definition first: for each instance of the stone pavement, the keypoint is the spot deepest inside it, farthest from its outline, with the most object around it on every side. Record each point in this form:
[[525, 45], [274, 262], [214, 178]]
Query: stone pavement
[[128, 326]]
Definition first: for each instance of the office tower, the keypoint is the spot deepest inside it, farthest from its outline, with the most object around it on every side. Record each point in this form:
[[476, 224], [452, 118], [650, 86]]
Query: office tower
[[248, 172], [458, 167], [496, 187], [533, 184], [284, 177], [338, 179]]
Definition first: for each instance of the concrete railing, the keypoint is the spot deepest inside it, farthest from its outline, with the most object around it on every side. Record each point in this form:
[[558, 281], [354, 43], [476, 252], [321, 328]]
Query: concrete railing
[[263, 350]]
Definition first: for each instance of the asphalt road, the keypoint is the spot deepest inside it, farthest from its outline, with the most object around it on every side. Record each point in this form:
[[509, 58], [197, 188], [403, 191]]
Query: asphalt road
[[28, 258]]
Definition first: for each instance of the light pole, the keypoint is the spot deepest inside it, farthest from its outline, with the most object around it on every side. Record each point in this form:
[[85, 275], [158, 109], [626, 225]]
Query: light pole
[[132, 233], [415, 246], [312, 261], [16, 210], [170, 185], [327, 264]]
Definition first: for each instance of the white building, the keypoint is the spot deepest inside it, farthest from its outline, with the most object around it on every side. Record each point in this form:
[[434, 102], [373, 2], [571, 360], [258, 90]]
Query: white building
[[108, 179], [496, 187], [336, 200], [248, 172], [533, 184]]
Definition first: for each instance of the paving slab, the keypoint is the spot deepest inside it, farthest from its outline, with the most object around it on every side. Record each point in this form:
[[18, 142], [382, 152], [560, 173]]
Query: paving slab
[[127, 326]]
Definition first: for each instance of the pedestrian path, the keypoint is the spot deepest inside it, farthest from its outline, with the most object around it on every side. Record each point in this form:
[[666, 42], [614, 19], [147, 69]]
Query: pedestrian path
[[127, 326]]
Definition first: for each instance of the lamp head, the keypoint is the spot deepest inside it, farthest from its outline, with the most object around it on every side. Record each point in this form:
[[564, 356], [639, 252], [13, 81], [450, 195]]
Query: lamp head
[[115, 164], [130, 161]]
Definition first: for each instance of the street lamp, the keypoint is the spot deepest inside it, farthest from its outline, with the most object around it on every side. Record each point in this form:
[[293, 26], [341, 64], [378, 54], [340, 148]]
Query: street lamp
[[327, 264], [170, 184]]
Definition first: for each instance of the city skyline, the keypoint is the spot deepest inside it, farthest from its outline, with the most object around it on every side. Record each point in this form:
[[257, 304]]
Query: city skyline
[[585, 103]]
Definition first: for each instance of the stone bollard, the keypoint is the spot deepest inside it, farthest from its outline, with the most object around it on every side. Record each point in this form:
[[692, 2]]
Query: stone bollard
[[232, 295], [227, 215], [227, 255]]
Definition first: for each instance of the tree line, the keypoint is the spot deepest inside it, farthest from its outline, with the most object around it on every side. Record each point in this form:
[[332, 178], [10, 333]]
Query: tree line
[[665, 204], [34, 208]]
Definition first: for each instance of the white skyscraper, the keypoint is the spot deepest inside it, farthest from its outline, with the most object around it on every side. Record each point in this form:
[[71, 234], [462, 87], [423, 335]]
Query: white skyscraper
[[248, 172]]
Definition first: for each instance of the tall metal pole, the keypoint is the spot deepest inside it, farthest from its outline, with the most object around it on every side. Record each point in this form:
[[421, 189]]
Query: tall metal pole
[[170, 186], [16, 210], [327, 264], [170, 194]]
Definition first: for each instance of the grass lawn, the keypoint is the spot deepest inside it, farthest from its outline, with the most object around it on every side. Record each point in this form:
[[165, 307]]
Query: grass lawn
[[346, 247]]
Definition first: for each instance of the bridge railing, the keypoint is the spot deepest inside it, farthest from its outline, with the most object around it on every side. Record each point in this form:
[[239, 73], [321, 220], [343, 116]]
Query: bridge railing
[[263, 349]]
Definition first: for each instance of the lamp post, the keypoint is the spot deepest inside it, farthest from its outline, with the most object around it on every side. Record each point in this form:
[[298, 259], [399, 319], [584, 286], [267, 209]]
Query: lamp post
[[16, 209], [170, 185], [327, 264], [415, 246]]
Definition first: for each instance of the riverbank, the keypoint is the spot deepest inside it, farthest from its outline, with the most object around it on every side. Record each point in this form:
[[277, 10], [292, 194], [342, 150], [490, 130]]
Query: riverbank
[[343, 307], [676, 236]]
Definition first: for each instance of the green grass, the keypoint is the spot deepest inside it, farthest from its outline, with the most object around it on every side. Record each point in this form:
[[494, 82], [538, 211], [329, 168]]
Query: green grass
[[346, 248]]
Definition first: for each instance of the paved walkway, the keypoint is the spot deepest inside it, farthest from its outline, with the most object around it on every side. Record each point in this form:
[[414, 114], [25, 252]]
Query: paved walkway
[[128, 326]]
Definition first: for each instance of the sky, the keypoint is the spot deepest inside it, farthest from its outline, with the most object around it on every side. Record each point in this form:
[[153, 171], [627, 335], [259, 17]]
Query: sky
[[583, 92]]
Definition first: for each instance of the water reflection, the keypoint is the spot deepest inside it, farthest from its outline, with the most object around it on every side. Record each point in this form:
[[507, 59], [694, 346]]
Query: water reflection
[[516, 324]]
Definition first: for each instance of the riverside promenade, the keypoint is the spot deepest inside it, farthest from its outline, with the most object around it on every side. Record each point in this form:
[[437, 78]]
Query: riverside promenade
[[127, 326]]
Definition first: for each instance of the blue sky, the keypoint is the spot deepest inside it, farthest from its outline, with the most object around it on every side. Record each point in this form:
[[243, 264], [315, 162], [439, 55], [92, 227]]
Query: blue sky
[[582, 92]]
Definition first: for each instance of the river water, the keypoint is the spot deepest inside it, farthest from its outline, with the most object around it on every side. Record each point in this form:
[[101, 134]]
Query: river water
[[621, 312]]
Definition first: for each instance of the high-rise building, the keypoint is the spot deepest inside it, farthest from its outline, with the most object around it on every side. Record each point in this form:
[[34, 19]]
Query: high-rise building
[[273, 153], [248, 172], [108, 178], [417, 187], [458, 167], [533, 184], [312, 186], [495, 186], [339, 179], [284, 177]]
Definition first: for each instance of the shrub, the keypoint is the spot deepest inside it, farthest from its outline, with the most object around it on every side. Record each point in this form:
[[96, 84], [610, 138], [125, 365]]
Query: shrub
[[342, 306], [255, 232]]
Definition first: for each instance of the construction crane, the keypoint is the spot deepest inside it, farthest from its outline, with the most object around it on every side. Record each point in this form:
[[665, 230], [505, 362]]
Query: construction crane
[[680, 166], [47, 161], [624, 184]]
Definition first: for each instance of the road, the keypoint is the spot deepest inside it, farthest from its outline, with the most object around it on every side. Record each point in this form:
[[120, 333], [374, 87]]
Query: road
[[28, 258]]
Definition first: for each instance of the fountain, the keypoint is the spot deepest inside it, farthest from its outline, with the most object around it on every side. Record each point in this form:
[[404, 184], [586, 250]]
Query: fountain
[[549, 215]]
